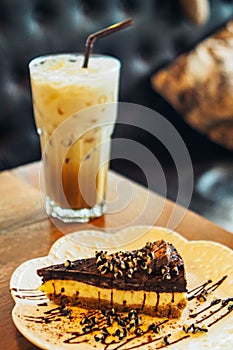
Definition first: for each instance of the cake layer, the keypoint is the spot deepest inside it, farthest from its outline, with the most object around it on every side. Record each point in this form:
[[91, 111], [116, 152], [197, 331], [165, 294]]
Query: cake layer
[[81, 294]]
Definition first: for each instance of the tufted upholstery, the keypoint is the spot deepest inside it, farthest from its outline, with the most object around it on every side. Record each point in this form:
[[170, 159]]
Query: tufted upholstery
[[29, 28]]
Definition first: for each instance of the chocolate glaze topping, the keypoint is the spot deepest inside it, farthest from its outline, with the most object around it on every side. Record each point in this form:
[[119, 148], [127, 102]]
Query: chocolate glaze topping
[[155, 267]]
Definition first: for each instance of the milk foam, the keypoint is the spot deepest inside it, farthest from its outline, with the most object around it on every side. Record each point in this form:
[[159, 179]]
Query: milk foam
[[66, 69]]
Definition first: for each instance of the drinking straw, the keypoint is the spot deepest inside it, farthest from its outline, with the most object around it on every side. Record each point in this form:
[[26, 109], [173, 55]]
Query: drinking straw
[[106, 31]]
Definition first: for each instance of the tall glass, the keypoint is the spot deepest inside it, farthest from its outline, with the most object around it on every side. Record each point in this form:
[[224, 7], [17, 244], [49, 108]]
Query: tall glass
[[75, 112]]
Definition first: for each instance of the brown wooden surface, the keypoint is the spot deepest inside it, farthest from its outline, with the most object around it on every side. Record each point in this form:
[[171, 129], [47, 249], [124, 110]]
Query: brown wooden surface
[[26, 232]]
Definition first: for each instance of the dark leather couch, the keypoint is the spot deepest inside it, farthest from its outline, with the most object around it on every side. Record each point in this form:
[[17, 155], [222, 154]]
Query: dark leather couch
[[29, 28]]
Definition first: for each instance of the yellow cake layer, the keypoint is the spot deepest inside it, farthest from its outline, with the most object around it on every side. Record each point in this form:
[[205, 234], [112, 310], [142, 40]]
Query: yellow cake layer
[[82, 293]]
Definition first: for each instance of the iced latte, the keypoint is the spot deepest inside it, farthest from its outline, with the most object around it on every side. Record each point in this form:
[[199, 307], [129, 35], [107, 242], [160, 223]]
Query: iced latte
[[75, 113]]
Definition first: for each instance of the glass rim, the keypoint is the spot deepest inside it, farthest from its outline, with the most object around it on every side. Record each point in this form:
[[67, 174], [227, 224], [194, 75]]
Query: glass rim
[[116, 60]]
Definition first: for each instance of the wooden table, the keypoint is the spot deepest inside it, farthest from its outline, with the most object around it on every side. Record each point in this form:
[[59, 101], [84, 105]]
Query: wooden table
[[26, 232]]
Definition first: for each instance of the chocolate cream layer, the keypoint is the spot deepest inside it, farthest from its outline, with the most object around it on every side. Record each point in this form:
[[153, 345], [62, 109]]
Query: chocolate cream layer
[[156, 267]]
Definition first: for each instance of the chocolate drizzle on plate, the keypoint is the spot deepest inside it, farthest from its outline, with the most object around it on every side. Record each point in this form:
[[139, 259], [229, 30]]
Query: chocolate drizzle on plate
[[213, 302], [229, 310], [224, 303], [51, 315], [200, 292], [28, 294]]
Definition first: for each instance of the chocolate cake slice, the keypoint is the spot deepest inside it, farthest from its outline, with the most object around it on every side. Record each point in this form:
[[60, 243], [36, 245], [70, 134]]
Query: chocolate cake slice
[[151, 279]]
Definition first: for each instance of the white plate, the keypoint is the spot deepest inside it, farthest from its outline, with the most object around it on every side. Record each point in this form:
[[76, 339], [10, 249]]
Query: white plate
[[203, 260]]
